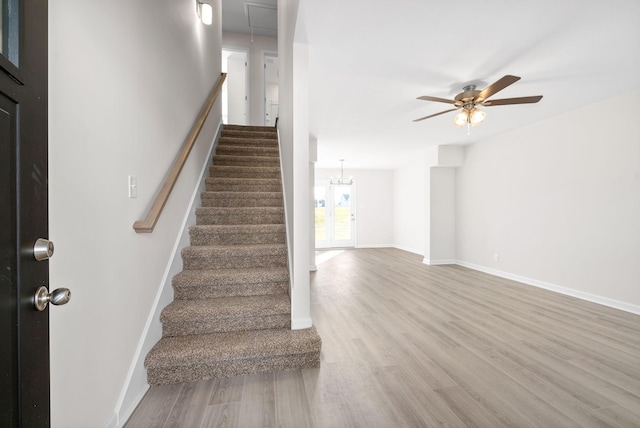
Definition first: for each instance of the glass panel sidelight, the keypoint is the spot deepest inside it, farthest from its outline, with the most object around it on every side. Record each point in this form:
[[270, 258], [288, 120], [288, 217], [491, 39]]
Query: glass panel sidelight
[[342, 213], [320, 212]]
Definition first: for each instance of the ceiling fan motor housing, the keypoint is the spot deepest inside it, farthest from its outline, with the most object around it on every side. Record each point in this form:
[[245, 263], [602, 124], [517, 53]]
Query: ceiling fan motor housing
[[468, 96]]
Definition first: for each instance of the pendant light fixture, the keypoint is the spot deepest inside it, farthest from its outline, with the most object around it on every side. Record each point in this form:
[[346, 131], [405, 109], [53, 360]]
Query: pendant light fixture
[[341, 181]]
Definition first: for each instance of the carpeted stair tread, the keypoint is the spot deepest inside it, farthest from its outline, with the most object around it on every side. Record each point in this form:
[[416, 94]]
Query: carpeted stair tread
[[179, 350], [220, 277], [235, 180], [234, 256], [214, 283], [235, 250], [226, 307], [241, 199], [237, 149], [242, 184], [244, 171], [239, 215], [190, 358], [247, 142], [241, 195], [240, 211], [205, 316], [249, 134], [211, 234], [246, 160], [231, 127], [240, 228]]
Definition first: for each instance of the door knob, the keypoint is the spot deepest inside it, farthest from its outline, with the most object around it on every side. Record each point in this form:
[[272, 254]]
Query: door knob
[[42, 249], [60, 296]]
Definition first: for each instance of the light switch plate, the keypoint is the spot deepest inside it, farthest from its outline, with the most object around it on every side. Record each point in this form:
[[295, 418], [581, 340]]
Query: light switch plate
[[133, 187]]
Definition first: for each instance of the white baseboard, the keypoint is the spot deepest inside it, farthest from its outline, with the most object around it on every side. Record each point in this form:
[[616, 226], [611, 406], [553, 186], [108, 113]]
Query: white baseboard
[[113, 421], [605, 301], [411, 250], [135, 385], [301, 323], [374, 246], [439, 262], [125, 414]]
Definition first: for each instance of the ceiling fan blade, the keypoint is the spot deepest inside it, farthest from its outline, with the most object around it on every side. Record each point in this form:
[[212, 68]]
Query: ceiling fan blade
[[437, 114], [507, 101], [439, 100], [498, 86]]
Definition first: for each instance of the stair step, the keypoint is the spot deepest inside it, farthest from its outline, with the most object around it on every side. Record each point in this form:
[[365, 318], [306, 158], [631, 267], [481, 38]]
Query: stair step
[[186, 317], [235, 133], [241, 199], [244, 234], [246, 160], [182, 359], [241, 150], [239, 215], [232, 184], [210, 284], [247, 142], [234, 256], [228, 127], [244, 171]]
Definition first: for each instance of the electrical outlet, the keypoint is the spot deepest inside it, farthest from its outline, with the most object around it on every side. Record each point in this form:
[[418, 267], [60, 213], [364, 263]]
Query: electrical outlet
[[496, 258], [133, 187]]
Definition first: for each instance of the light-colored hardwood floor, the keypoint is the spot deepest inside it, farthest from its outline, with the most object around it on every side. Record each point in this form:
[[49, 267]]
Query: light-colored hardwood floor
[[405, 344]]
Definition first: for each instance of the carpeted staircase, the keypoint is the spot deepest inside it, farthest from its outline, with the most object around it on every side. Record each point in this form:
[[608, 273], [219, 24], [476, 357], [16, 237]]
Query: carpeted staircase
[[232, 312]]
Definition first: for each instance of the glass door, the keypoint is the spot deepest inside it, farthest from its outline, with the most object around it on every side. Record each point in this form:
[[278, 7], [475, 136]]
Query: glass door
[[335, 218]]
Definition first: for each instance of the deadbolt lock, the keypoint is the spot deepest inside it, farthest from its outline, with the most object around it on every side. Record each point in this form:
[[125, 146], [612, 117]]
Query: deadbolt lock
[[42, 249]]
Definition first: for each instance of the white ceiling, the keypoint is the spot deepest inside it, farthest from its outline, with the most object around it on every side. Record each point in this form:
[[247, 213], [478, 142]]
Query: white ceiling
[[369, 60]]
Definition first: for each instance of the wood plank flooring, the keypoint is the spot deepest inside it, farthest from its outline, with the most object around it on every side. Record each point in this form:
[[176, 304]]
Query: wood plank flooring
[[405, 344]]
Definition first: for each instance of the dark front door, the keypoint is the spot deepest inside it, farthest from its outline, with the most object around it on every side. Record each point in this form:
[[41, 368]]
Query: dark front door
[[24, 331]]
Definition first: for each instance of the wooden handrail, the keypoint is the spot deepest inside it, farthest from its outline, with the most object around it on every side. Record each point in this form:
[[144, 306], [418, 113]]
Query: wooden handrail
[[149, 223]]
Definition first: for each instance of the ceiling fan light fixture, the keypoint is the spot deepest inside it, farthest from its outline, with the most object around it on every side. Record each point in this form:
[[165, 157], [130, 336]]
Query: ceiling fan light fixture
[[461, 118], [470, 97], [476, 116]]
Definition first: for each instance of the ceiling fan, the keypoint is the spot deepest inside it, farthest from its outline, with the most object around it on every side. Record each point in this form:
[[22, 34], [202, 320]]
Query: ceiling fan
[[470, 98]]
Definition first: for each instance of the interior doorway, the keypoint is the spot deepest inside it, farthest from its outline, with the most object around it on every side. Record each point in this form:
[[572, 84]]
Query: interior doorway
[[235, 91], [270, 88], [335, 218]]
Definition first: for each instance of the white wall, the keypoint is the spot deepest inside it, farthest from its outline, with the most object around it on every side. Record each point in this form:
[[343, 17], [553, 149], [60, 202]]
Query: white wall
[[287, 17], [559, 203], [441, 204], [127, 80], [256, 50], [374, 205], [410, 215], [293, 131], [302, 197]]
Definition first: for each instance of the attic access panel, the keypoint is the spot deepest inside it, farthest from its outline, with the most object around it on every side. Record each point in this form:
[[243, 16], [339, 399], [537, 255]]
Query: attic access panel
[[261, 16]]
